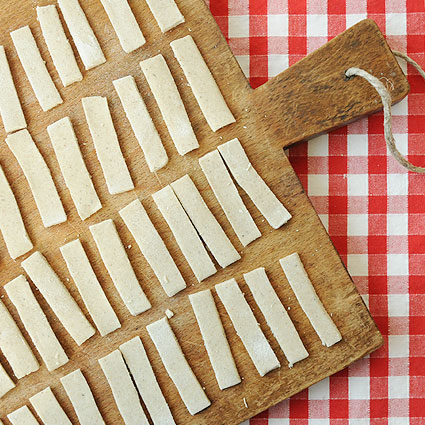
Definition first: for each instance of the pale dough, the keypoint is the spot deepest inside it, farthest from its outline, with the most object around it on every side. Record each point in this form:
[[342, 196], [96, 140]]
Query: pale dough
[[22, 416], [10, 105], [204, 221], [152, 247], [35, 68], [166, 13], [140, 368], [86, 42], [215, 340], [246, 327], [38, 176], [276, 316], [116, 261], [177, 366], [36, 323], [228, 196], [141, 123], [89, 287], [59, 48], [78, 391], [48, 408], [184, 232], [248, 179], [167, 96], [309, 301], [73, 168], [14, 346], [12, 226], [6, 384], [123, 390], [58, 297], [106, 143], [125, 24], [202, 82]]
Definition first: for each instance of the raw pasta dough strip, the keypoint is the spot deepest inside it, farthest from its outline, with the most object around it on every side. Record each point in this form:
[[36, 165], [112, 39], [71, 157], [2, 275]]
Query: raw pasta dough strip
[[166, 13], [59, 48], [12, 226], [246, 327], [48, 408], [276, 316], [141, 123], [14, 346], [177, 366], [125, 24], [22, 416], [248, 179], [86, 42], [35, 322], [202, 82], [170, 103], [6, 383], [78, 391], [38, 176], [73, 168], [140, 368], [35, 68], [115, 258], [107, 146], [10, 105], [58, 297], [205, 222], [185, 234], [215, 340], [123, 390], [228, 196], [309, 301], [152, 247], [89, 287]]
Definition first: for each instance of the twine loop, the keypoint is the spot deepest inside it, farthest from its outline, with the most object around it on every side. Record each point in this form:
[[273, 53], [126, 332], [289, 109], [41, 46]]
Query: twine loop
[[385, 95]]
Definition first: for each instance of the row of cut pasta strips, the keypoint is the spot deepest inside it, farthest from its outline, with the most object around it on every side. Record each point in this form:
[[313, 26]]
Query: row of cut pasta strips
[[192, 224], [107, 147], [126, 27], [131, 356]]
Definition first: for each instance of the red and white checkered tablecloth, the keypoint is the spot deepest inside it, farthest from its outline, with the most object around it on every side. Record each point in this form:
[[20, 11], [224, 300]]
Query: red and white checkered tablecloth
[[373, 209]]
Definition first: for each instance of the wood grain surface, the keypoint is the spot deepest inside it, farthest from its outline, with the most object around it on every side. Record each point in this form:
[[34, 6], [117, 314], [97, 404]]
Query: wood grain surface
[[311, 97]]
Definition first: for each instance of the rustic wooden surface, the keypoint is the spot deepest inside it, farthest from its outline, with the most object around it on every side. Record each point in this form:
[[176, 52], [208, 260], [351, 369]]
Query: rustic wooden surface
[[309, 98]]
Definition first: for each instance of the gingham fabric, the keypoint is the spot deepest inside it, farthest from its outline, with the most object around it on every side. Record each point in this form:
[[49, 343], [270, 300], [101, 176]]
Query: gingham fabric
[[373, 209]]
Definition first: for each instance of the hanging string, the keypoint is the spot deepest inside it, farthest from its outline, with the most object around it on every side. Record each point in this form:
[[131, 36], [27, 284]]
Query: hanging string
[[386, 102]]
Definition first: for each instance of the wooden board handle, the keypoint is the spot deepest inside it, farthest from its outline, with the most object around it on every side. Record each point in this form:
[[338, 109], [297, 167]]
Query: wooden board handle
[[316, 86]]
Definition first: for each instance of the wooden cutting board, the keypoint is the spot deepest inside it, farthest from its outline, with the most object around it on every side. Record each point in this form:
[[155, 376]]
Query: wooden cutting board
[[311, 97]]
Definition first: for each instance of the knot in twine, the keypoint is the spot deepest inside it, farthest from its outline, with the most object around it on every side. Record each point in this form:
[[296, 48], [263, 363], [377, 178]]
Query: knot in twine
[[386, 102]]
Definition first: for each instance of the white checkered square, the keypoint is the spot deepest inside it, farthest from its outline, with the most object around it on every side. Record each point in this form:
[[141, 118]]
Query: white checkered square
[[398, 346], [359, 421], [244, 64], [358, 388], [357, 184], [400, 108], [398, 421], [398, 387], [274, 421], [319, 146], [396, 24], [324, 218], [397, 224], [318, 421], [277, 64], [365, 299], [278, 25], [397, 264], [357, 145], [398, 305], [354, 18], [357, 225], [397, 184], [318, 185], [357, 264], [401, 141], [317, 25], [238, 26], [320, 390]]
